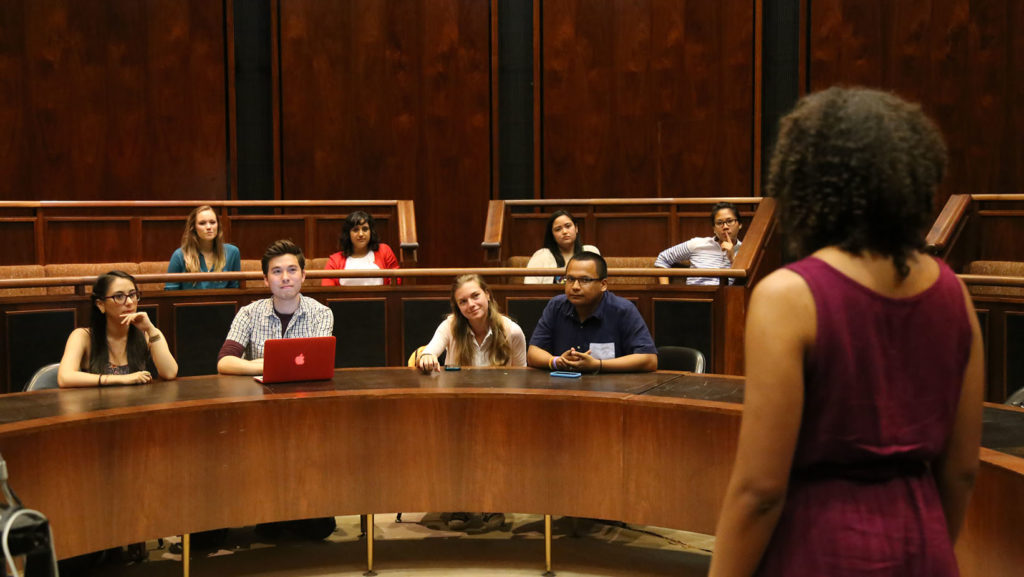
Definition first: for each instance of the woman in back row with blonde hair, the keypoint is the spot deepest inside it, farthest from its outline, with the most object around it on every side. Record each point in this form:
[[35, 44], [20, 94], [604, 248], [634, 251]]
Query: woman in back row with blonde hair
[[203, 250]]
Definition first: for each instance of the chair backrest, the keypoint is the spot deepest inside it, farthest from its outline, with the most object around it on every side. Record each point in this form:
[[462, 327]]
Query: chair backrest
[[415, 356], [680, 359], [45, 378], [1016, 399]]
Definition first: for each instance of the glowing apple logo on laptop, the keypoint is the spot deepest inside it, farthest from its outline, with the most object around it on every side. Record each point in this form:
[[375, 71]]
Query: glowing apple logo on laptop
[[301, 359]]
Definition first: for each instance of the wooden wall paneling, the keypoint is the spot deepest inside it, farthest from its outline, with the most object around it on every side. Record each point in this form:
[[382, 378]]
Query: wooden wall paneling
[[391, 100], [187, 92], [680, 480], [729, 329], [230, 87], [34, 340], [998, 230], [641, 235], [15, 125], [988, 545], [161, 236], [113, 102], [327, 231], [106, 240], [647, 98], [959, 58], [253, 234], [456, 168], [577, 41], [19, 236], [360, 326]]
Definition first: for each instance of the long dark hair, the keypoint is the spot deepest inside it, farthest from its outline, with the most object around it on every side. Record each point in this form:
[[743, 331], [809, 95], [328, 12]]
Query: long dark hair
[[551, 244], [353, 220], [857, 169], [99, 355]]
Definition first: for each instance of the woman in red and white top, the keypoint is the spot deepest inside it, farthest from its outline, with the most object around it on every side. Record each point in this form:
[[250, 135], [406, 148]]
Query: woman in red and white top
[[361, 249]]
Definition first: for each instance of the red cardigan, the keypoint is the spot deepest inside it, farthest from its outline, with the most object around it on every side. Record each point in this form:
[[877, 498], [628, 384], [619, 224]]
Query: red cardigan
[[382, 257]]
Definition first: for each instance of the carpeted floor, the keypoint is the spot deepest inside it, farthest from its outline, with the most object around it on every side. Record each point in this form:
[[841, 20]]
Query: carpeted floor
[[421, 546]]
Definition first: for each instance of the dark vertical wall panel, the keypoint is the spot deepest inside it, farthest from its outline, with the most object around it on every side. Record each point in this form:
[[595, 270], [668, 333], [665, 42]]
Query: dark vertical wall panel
[[112, 99], [387, 99], [36, 339], [1014, 353], [683, 324], [960, 58], [361, 329], [420, 318], [647, 98], [200, 331]]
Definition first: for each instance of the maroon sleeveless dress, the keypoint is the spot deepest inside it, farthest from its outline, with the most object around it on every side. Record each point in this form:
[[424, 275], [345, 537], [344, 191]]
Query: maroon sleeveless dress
[[880, 395]]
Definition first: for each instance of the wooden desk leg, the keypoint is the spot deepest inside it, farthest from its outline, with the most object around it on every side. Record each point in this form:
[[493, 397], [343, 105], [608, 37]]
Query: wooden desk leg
[[369, 547], [547, 547], [185, 553]]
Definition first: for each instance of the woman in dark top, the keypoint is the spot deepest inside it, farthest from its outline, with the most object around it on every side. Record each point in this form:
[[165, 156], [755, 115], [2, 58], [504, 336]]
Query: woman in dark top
[[862, 412], [120, 340]]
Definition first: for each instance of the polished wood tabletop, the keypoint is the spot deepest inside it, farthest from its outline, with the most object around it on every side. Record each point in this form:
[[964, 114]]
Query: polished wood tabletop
[[114, 465]]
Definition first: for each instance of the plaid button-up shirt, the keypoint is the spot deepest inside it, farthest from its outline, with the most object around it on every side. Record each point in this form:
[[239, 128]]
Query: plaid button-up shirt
[[256, 322]]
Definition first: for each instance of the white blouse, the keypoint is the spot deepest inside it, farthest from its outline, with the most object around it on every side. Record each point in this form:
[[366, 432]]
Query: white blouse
[[444, 341]]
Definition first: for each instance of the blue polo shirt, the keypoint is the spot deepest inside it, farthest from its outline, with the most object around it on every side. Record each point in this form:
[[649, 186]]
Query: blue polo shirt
[[615, 329]]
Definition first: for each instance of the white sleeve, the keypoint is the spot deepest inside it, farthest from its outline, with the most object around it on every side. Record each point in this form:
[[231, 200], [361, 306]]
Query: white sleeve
[[673, 255], [442, 337], [540, 259], [517, 344]]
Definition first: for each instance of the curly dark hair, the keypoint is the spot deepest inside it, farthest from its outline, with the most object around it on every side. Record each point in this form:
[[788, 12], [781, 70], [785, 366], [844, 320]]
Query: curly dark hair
[[857, 169]]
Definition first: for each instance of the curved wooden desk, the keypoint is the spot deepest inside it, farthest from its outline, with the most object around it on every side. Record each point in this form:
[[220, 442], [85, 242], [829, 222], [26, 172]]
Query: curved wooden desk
[[116, 465]]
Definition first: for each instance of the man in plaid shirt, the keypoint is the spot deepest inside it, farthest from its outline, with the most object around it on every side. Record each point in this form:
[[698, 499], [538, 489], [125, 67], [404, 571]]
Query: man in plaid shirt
[[286, 314]]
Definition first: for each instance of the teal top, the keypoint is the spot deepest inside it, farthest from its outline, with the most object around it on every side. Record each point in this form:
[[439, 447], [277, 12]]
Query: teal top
[[232, 263]]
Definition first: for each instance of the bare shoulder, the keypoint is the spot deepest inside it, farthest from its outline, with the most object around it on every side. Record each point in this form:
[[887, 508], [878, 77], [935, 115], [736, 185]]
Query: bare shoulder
[[80, 334], [783, 286]]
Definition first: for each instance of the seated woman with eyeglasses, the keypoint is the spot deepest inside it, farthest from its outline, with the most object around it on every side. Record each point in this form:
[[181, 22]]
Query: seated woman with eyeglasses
[[716, 251], [119, 341]]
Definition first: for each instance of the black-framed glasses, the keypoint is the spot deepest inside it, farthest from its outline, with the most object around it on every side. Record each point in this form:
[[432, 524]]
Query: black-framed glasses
[[121, 298], [728, 221], [583, 280]]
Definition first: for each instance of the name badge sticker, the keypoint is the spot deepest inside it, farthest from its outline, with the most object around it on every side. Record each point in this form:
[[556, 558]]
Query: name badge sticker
[[603, 351]]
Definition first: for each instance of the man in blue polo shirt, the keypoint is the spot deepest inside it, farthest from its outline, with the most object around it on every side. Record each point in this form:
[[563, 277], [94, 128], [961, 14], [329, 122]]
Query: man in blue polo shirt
[[589, 329]]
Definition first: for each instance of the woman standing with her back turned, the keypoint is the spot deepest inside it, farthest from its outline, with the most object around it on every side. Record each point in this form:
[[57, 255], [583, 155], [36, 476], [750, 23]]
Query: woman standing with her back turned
[[203, 250], [863, 401]]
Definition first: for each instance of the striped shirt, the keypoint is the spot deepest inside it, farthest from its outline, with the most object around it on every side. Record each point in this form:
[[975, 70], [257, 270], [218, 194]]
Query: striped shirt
[[702, 252], [256, 322]]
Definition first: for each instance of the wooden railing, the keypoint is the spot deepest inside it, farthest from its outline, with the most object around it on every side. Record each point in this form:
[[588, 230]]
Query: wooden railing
[[617, 226], [45, 232]]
